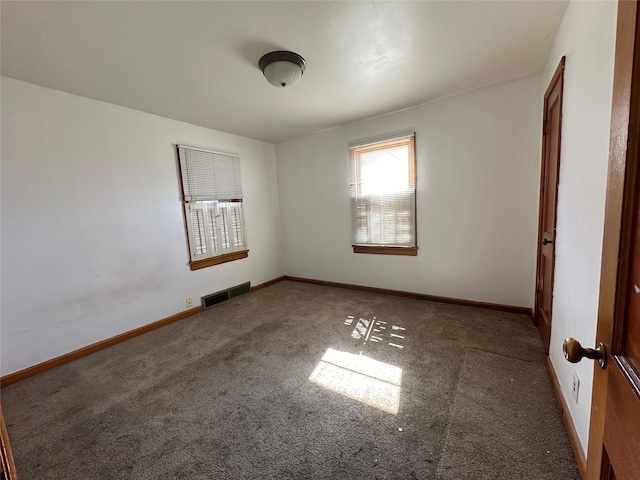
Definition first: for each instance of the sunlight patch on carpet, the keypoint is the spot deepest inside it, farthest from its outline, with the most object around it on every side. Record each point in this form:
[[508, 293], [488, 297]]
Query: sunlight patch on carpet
[[360, 378], [377, 331]]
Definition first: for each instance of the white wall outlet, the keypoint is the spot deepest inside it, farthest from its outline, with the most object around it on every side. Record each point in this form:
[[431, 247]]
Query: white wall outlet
[[575, 388], [189, 302]]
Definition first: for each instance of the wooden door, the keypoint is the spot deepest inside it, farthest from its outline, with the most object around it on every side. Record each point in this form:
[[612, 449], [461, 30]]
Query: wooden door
[[7, 467], [614, 435], [551, 129]]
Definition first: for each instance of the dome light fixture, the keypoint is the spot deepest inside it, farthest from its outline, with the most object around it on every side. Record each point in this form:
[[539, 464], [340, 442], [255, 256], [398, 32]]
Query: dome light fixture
[[282, 68]]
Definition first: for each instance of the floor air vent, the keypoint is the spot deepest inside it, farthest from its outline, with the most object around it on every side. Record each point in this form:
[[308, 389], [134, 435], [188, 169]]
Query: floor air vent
[[209, 301]]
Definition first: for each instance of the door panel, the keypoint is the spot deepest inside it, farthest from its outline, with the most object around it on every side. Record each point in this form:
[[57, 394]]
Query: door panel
[[621, 445], [622, 426], [631, 337], [614, 432], [552, 127]]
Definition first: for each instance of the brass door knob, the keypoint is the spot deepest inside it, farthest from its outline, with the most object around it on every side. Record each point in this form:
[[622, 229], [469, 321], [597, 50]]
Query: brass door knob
[[574, 352]]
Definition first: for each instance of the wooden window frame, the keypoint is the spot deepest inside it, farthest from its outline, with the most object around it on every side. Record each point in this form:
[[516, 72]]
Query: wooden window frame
[[355, 151], [218, 259], [384, 250]]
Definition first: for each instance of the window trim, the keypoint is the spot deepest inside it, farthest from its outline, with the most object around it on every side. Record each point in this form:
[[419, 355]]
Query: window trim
[[218, 259], [385, 250], [382, 144]]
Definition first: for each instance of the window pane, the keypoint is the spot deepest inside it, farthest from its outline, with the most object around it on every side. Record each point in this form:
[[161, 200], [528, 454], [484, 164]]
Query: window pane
[[236, 225], [200, 243], [213, 229], [224, 227], [383, 193], [385, 171]]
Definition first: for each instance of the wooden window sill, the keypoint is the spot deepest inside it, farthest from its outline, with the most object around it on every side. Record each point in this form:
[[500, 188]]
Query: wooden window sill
[[410, 251], [210, 262]]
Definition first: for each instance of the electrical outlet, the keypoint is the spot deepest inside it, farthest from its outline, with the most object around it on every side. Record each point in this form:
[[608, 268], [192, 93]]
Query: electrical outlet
[[189, 302], [576, 387]]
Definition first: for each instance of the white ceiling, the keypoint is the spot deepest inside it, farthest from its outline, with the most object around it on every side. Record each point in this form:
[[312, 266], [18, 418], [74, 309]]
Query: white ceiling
[[197, 61]]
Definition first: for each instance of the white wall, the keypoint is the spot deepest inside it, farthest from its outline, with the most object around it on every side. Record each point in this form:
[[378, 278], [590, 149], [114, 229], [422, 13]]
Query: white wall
[[478, 162], [93, 241], [587, 38]]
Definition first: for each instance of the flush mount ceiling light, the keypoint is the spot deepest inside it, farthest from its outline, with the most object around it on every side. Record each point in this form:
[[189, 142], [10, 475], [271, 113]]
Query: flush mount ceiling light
[[282, 68]]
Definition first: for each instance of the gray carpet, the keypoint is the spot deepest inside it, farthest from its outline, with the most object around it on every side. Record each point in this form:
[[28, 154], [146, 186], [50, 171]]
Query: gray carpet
[[227, 394]]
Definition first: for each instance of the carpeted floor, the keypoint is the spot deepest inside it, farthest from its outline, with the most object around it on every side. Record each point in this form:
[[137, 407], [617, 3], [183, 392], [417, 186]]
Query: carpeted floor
[[299, 381]]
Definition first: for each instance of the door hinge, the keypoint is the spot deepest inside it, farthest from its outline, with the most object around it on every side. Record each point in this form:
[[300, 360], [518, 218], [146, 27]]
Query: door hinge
[[544, 127]]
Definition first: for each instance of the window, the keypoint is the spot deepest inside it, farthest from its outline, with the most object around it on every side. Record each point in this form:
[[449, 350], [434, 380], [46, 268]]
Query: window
[[383, 196], [212, 201]]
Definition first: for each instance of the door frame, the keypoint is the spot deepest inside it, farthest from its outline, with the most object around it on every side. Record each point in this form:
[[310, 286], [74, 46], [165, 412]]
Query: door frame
[[558, 76], [621, 190]]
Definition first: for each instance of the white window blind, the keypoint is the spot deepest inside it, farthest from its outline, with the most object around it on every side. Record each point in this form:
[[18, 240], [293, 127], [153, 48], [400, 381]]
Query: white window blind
[[209, 175], [212, 197], [383, 193]]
